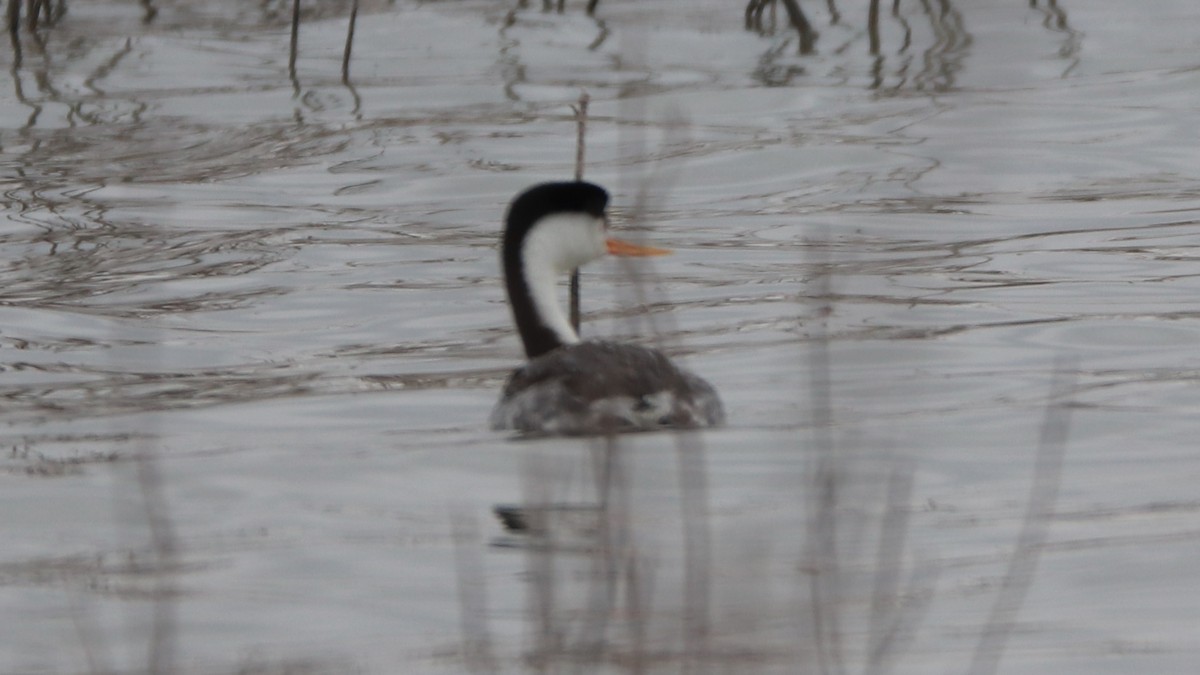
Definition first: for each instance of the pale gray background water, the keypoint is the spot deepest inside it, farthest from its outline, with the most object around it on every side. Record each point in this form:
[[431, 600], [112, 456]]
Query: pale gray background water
[[288, 291]]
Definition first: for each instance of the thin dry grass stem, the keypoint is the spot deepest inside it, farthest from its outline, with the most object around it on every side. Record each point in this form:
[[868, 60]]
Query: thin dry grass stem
[[896, 609], [612, 539], [697, 552], [644, 282], [821, 541], [565, 639], [581, 112], [87, 633], [821, 565], [820, 370], [696, 618], [548, 637], [912, 605], [472, 595], [834, 534], [639, 588], [889, 553], [1035, 526]]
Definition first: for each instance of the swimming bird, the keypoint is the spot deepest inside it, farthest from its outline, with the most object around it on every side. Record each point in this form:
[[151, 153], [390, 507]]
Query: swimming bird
[[569, 386]]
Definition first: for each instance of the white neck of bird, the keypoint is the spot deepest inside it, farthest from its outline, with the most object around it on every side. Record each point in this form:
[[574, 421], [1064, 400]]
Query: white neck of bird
[[557, 245]]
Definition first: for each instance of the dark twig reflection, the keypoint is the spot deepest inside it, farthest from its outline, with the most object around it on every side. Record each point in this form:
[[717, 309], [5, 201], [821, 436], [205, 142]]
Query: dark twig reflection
[[601, 33], [808, 36], [107, 66], [942, 61], [513, 70], [35, 9], [560, 6], [822, 531], [1055, 19], [294, 46], [834, 15], [873, 26], [14, 31], [907, 41], [772, 73], [35, 109], [346, 53], [37, 13], [754, 21], [940, 27]]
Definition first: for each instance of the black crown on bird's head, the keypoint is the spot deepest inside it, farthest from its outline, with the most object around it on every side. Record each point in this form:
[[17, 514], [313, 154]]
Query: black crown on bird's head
[[546, 199]]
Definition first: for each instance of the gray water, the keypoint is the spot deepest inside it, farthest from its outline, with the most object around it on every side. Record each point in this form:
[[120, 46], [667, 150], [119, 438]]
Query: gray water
[[280, 291]]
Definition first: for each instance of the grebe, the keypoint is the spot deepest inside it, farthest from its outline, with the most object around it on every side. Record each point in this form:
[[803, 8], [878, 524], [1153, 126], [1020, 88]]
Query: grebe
[[569, 386]]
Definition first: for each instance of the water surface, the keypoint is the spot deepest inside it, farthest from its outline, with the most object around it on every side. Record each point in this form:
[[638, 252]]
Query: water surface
[[284, 288]]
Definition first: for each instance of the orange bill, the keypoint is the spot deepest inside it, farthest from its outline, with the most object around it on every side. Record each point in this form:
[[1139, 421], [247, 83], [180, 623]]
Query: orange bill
[[624, 248]]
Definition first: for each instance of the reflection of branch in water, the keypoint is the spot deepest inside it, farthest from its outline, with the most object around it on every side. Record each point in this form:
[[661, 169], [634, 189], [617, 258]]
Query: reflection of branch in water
[[13, 16], [834, 15], [349, 49], [102, 71], [513, 71], [346, 54], [293, 47], [149, 11], [14, 31], [601, 34], [942, 61], [808, 36], [907, 42], [35, 9], [19, 92], [774, 74], [904, 57], [560, 6], [78, 108], [873, 26], [1055, 19]]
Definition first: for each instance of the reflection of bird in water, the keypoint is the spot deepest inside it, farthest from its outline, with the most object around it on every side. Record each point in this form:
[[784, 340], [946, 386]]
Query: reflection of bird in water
[[569, 386]]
